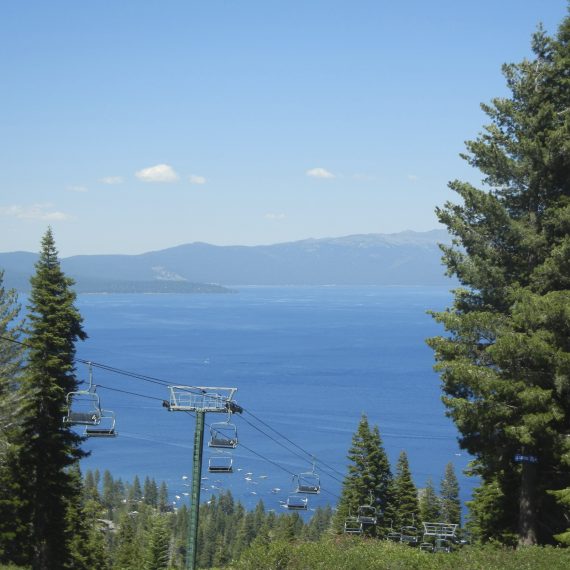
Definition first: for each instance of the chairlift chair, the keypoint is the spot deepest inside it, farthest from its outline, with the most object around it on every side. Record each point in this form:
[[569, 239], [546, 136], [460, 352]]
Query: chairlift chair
[[392, 534], [296, 503], [352, 525], [106, 427], [426, 547], [220, 464], [308, 483], [223, 435], [83, 406], [409, 535], [367, 515], [442, 545]]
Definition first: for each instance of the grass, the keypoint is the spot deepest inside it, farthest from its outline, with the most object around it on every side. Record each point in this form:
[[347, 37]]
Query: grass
[[357, 554]]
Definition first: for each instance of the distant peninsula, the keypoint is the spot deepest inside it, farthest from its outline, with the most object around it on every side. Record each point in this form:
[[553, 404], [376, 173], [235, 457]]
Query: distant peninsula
[[401, 259]]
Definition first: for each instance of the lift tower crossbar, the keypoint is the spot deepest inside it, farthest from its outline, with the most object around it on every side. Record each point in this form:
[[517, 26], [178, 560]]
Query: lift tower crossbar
[[200, 400]]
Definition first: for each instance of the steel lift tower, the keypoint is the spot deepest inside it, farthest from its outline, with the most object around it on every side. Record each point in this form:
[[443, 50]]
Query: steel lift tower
[[199, 400]]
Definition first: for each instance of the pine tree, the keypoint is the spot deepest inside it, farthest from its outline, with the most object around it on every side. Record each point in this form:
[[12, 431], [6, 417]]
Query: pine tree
[[405, 495], [369, 478], [430, 504], [157, 554], [135, 492], [45, 448], [505, 359], [150, 491], [11, 355], [449, 493], [163, 504], [129, 550], [108, 496]]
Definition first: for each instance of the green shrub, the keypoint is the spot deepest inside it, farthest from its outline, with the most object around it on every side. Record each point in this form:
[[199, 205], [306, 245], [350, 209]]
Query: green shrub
[[357, 554]]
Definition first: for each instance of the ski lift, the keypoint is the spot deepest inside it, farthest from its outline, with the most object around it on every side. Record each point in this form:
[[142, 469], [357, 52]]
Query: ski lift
[[223, 435], [393, 535], [352, 525], [308, 483], [220, 464], [296, 503], [84, 406], [105, 428], [409, 535], [367, 514], [442, 545]]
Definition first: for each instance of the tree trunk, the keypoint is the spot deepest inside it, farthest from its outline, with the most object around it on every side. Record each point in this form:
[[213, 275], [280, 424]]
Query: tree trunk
[[527, 505]]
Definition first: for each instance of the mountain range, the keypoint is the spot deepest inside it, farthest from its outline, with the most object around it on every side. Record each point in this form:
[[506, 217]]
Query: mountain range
[[405, 258]]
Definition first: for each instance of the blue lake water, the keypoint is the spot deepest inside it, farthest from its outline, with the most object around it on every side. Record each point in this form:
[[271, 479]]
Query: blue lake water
[[306, 361]]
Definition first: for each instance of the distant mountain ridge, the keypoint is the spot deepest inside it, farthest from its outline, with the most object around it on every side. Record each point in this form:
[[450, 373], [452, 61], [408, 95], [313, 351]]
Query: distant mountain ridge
[[405, 258]]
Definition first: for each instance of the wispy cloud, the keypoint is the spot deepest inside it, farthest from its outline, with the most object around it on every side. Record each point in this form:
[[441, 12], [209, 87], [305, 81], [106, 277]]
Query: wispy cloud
[[319, 173], [413, 177], [75, 188], [195, 179], [111, 180], [158, 173], [274, 216], [44, 212]]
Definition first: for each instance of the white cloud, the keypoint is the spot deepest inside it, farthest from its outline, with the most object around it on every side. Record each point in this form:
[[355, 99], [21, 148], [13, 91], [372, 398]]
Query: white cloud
[[42, 212], [158, 173], [77, 188], [319, 173], [195, 179], [413, 177], [274, 216], [111, 180]]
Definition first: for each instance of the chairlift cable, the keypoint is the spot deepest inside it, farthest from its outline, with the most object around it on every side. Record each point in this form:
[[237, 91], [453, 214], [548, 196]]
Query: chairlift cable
[[312, 456], [130, 393], [283, 445]]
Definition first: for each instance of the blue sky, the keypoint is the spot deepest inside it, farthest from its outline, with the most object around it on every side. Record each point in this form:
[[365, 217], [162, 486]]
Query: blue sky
[[137, 125]]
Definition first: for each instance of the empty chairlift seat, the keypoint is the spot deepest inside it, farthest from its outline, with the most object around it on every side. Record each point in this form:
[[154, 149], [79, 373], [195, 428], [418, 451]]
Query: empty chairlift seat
[[352, 526], [296, 503], [367, 515], [442, 545], [409, 535], [220, 464]]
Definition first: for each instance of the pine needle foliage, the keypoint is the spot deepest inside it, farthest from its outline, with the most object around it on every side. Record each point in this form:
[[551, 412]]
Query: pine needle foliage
[[505, 360], [405, 495], [369, 478], [45, 449]]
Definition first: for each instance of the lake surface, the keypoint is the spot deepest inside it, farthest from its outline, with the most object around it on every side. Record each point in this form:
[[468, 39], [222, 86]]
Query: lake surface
[[307, 362]]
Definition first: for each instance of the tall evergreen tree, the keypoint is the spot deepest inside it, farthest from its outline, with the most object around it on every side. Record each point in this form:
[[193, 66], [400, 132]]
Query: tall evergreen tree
[[430, 504], [158, 546], [11, 355], [405, 494], [369, 478], [449, 494], [45, 448], [163, 504], [505, 362]]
